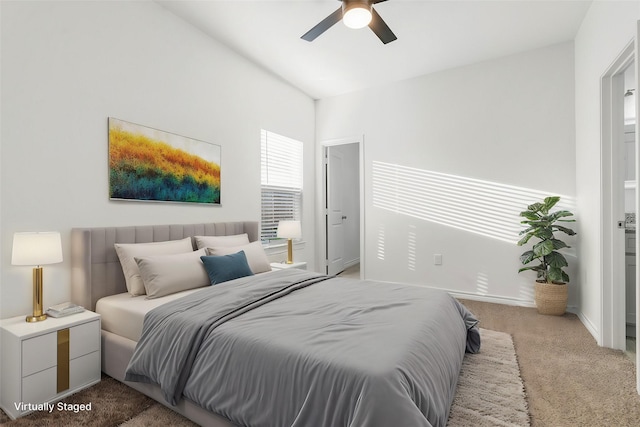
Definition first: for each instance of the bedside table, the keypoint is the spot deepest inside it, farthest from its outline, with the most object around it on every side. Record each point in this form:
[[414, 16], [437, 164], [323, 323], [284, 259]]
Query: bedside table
[[45, 361], [284, 265]]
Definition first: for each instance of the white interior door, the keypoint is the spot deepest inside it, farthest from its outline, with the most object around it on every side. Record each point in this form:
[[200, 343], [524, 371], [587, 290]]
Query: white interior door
[[334, 212]]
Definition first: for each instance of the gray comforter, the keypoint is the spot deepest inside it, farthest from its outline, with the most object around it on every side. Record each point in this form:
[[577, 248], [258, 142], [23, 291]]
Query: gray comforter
[[294, 348]]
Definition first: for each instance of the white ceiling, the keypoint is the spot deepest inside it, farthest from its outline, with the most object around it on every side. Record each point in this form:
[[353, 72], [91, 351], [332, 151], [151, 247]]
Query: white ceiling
[[432, 36]]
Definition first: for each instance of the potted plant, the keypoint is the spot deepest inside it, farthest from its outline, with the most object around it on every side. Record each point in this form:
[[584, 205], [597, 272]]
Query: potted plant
[[551, 283]]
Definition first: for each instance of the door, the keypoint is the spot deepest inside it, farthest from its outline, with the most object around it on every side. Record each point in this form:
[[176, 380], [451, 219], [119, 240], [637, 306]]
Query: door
[[334, 213]]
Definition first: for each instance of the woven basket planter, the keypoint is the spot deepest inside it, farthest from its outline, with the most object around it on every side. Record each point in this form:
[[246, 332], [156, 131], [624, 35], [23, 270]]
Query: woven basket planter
[[551, 298]]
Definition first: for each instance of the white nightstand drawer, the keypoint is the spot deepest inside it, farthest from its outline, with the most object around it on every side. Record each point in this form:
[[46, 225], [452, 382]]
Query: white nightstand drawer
[[38, 353], [39, 387], [84, 339], [84, 370], [48, 360]]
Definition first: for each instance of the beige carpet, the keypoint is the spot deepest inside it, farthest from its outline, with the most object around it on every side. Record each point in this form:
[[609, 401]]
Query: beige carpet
[[112, 403], [569, 380], [489, 393], [158, 415]]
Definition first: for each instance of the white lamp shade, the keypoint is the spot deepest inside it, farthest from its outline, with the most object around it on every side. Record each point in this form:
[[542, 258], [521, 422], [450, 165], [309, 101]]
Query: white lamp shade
[[357, 16], [289, 229], [36, 248]]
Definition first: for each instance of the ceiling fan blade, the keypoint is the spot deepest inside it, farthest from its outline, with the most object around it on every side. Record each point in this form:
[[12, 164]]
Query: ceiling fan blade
[[377, 1], [381, 28], [323, 26]]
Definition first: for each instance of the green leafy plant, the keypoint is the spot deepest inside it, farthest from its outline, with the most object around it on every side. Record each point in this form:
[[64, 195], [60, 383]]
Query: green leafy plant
[[542, 224]]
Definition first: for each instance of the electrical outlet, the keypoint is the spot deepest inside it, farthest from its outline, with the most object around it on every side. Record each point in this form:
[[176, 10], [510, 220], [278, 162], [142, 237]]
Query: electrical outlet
[[437, 259]]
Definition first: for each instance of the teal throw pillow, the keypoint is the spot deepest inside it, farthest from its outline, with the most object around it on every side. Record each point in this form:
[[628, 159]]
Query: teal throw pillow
[[226, 267]]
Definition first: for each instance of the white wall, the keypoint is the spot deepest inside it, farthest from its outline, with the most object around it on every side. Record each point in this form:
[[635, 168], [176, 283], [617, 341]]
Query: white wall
[[67, 66], [606, 30], [505, 125]]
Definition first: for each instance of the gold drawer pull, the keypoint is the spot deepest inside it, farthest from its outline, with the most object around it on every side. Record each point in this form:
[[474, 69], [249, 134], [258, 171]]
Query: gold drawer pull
[[63, 360]]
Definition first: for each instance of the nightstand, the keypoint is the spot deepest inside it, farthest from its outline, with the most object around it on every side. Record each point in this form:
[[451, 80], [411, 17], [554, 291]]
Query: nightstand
[[283, 265], [45, 361]]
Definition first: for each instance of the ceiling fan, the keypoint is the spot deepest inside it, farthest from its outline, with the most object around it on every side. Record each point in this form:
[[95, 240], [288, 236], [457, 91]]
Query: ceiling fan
[[355, 14]]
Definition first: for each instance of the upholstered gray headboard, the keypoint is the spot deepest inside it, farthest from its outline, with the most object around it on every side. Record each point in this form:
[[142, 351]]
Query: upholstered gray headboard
[[96, 270]]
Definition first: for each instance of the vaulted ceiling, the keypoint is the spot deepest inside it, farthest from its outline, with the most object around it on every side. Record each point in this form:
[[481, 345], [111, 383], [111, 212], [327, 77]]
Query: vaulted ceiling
[[432, 36]]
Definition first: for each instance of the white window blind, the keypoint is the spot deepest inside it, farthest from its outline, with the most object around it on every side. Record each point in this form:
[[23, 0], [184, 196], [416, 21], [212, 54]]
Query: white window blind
[[281, 180]]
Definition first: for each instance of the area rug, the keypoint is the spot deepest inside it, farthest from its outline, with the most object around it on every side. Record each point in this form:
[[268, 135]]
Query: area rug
[[490, 393]]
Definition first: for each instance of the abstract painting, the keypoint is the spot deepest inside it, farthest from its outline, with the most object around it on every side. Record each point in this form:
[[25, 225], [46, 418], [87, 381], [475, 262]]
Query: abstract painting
[[153, 165]]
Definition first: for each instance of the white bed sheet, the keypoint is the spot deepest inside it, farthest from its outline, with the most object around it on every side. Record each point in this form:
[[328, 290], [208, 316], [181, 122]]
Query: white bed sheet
[[123, 314]]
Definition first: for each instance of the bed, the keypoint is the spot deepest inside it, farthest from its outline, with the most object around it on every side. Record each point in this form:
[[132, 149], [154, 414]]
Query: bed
[[287, 347]]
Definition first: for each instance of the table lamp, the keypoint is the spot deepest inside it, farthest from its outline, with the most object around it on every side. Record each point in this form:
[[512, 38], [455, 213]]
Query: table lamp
[[289, 230], [36, 248]]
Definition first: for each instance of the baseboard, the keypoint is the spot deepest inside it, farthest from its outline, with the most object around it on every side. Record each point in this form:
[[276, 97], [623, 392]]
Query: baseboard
[[491, 298], [472, 296], [590, 327], [351, 263]]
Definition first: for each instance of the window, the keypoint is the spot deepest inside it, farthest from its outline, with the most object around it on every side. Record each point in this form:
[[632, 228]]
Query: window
[[281, 181]]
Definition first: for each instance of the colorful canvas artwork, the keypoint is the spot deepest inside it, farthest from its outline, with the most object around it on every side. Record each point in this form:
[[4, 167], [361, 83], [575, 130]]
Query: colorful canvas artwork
[[153, 165]]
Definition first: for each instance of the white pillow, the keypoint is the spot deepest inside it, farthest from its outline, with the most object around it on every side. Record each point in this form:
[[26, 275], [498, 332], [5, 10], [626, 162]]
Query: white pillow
[[257, 259], [127, 251], [167, 274], [219, 241]]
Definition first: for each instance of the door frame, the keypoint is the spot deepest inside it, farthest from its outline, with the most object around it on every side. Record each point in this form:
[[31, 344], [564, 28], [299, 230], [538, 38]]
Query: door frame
[[613, 292], [613, 319], [321, 226]]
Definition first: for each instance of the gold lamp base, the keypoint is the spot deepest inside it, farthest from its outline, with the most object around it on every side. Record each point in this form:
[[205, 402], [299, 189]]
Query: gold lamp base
[[37, 315], [289, 251], [32, 319]]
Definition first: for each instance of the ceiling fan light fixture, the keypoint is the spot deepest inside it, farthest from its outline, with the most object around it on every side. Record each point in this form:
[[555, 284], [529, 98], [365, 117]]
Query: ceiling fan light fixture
[[356, 14]]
